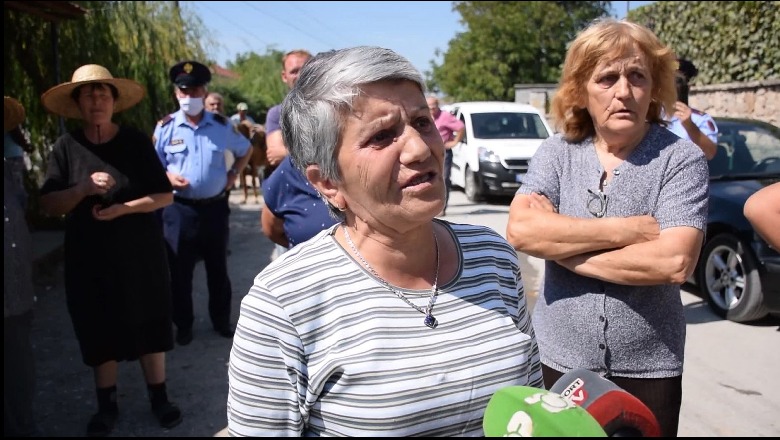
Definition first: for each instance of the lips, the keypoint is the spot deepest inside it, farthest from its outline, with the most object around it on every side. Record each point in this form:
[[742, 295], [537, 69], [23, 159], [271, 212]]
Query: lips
[[419, 179]]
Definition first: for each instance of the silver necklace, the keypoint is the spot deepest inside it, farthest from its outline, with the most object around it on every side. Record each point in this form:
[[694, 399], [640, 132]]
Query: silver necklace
[[429, 320]]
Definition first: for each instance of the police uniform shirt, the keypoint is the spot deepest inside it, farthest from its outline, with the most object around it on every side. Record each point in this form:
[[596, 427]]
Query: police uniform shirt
[[702, 120], [198, 153]]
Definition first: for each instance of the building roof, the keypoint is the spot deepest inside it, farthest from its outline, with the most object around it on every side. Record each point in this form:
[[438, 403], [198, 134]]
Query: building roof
[[50, 11], [218, 70]]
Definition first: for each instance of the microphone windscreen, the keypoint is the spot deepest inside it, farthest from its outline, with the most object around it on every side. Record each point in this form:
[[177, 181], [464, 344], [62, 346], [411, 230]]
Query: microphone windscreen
[[521, 411], [619, 412]]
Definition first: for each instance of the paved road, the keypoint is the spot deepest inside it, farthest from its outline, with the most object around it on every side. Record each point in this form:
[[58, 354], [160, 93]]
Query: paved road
[[731, 386]]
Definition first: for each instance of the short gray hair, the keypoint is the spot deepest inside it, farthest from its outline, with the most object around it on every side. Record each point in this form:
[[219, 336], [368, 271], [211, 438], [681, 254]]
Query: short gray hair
[[313, 112]]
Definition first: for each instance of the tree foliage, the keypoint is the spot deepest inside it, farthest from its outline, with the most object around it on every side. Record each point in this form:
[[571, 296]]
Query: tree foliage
[[727, 41], [508, 43]]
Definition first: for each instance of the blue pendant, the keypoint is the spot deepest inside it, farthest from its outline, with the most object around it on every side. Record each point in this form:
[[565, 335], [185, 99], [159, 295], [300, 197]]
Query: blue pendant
[[430, 321]]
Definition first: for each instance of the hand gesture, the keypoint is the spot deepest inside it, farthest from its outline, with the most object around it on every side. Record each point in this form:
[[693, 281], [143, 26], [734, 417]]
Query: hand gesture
[[177, 181], [682, 111], [99, 183]]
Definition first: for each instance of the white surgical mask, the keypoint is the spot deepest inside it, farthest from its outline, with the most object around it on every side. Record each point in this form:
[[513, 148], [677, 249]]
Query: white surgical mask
[[191, 106]]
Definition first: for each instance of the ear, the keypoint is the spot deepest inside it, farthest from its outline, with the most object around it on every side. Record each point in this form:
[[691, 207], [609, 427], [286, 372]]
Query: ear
[[324, 186]]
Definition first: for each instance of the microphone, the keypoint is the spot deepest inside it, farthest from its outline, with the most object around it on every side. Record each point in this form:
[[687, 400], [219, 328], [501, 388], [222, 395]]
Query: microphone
[[522, 411], [619, 412]]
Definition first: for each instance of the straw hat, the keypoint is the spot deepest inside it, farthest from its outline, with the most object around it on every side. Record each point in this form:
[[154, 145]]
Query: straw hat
[[13, 113], [57, 99]]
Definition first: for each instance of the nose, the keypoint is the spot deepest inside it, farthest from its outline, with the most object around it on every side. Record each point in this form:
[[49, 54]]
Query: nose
[[416, 147], [622, 87]]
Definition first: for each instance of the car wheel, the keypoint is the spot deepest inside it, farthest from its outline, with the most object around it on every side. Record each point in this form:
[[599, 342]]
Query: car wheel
[[471, 186], [728, 275]]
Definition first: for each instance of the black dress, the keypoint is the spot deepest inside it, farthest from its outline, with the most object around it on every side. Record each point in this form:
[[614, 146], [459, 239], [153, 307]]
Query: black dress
[[117, 282]]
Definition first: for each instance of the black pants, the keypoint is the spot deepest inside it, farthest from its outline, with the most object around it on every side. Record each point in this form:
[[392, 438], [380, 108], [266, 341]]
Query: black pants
[[447, 172], [662, 396], [192, 231]]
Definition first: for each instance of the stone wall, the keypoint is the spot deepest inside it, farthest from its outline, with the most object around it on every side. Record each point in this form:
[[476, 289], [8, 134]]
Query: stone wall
[[754, 99]]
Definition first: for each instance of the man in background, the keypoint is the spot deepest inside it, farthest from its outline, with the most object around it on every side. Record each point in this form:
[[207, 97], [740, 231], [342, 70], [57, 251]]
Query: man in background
[[190, 144], [451, 130], [292, 63], [242, 114]]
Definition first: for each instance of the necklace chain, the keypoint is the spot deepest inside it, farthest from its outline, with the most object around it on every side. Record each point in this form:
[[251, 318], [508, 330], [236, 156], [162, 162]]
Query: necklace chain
[[430, 320]]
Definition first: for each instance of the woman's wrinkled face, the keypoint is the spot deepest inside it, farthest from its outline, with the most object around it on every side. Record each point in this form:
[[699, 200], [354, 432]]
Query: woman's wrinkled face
[[391, 156], [96, 103], [619, 94]]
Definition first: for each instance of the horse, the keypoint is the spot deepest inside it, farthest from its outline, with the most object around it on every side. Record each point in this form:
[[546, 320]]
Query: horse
[[258, 162]]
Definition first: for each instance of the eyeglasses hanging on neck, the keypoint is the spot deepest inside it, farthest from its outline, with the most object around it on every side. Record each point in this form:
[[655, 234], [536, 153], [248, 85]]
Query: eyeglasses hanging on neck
[[597, 203]]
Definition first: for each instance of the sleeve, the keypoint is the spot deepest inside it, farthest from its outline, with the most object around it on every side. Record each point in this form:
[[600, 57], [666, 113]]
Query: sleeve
[[707, 126], [266, 370], [544, 171], [56, 178], [152, 172], [272, 119], [271, 188], [454, 123], [524, 325], [683, 199], [158, 139]]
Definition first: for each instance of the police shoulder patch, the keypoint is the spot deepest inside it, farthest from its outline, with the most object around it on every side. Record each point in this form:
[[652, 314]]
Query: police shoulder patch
[[165, 120], [219, 118], [711, 125]]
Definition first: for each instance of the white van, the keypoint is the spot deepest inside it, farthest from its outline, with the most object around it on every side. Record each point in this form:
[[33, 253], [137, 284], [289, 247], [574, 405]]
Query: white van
[[500, 139]]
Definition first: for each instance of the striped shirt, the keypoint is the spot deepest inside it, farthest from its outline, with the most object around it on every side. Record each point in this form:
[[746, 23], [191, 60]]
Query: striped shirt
[[322, 348]]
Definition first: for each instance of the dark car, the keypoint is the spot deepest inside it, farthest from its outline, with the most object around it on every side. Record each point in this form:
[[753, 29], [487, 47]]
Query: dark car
[[738, 273]]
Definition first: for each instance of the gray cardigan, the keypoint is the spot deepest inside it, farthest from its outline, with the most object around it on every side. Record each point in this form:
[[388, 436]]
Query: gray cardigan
[[582, 322]]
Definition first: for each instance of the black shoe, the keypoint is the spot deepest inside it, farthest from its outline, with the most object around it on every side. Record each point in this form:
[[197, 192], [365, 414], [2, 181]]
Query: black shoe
[[168, 414], [226, 331], [102, 423], [183, 336]]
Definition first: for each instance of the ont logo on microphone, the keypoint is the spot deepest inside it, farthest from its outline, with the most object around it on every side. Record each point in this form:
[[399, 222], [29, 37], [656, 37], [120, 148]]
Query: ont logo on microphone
[[575, 392]]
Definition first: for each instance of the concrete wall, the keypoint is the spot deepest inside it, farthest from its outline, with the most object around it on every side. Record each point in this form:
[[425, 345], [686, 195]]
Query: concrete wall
[[754, 99]]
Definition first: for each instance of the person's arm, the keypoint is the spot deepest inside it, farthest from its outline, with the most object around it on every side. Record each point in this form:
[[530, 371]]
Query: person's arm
[[61, 202], [696, 135], [455, 140], [762, 210], [235, 171], [534, 228], [273, 227], [148, 203], [669, 260], [275, 149]]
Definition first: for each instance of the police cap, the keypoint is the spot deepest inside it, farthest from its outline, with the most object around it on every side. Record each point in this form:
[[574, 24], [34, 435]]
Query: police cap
[[687, 68], [189, 74]]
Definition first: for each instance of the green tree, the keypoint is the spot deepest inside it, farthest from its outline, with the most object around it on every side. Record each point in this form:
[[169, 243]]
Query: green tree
[[508, 43], [727, 41]]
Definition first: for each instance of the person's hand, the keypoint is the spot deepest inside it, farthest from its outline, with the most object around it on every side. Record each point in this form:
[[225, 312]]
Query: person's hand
[[541, 202], [109, 213], [683, 112], [99, 183], [275, 154], [177, 181], [231, 179]]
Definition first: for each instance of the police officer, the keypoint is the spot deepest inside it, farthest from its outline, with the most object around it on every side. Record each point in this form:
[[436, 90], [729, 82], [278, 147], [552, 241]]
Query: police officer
[[689, 123], [191, 144]]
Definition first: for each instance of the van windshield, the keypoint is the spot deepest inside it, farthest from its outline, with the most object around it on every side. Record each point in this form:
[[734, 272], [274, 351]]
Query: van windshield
[[508, 125]]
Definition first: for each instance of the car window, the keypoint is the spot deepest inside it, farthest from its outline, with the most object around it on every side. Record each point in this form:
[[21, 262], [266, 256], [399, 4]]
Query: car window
[[508, 125], [745, 147]]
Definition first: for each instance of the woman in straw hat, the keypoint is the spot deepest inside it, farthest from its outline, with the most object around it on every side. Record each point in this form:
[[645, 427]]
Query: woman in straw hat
[[109, 182]]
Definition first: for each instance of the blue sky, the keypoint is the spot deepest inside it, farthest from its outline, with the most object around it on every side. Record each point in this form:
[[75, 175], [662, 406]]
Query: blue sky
[[413, 29]]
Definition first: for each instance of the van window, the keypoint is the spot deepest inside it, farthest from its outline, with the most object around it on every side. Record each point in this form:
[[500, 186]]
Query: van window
[[508, 125]]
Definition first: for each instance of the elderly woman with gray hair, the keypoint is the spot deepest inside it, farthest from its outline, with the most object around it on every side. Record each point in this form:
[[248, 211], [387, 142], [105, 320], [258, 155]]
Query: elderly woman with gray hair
[[390, 322]]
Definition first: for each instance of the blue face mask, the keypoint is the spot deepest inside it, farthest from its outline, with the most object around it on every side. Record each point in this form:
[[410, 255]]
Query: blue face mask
[[191, 106]]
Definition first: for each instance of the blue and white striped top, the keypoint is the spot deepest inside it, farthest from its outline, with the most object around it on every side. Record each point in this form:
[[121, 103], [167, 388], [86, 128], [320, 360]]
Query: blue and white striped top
[[322, 348]]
